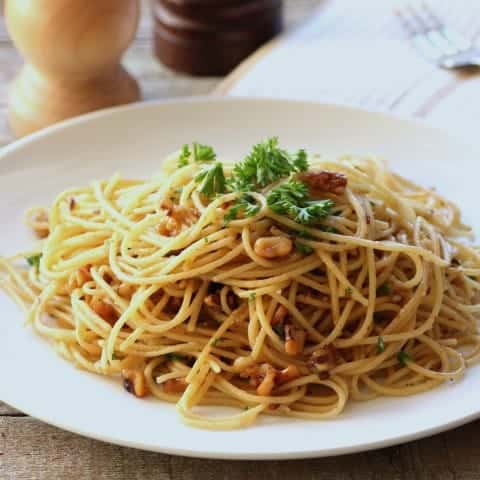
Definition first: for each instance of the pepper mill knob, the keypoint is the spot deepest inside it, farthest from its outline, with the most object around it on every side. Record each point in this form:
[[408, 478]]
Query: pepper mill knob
[[73, 50]]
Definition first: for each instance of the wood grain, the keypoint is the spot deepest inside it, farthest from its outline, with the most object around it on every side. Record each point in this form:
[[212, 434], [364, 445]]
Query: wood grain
[[30, 449], [66, 73]]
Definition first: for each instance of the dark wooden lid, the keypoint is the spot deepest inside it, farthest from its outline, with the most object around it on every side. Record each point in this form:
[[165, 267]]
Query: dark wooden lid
[[210, 37]]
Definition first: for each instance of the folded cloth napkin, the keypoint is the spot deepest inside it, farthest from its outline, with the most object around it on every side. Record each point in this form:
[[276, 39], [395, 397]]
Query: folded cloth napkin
[[357, 53]]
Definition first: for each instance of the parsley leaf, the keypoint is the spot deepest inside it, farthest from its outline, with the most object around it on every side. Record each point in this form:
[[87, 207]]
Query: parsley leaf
[[403, 357], [266, 164], [279, 329], [380, 345], [291, 198], [300, 161], [184, 156], [175, 356], [203, 153], [302, 248], [328, 229], [304, 234], [384, 289], [213, 180], [245, 203], [34, 261]]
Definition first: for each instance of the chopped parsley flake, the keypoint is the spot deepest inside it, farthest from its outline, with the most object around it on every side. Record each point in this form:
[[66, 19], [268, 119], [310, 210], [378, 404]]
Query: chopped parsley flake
[[304, 249], [34, 261], [403, 357], [291, 198], [252, 296], [184, 156], [246, 204], [384, 289], [380, 345], [304, 234], [212, 180], [348, 291], [328, 229], [174, 356], [279, 329]]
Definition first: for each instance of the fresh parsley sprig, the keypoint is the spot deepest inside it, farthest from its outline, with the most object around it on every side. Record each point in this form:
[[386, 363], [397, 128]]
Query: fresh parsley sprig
[[212, 180], [266, 164], [200, 153], [246, 204], [291, 198], [203, 153]]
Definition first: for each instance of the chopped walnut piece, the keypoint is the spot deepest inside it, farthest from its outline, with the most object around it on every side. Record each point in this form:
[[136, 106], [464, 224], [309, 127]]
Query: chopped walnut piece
[[273, 247], [134, 382], [268, 382], [105, 310], [287, 374], [125, 290], [325, 181], [182, 215], [79, 278], [329, 356], [175, 385], [294, 340], [168, 227], [279, 316], [212, 300], [40, 223], [265, 377]]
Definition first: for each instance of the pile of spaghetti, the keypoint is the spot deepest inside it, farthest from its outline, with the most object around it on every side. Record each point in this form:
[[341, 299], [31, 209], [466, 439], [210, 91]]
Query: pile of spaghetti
[[282, 284]]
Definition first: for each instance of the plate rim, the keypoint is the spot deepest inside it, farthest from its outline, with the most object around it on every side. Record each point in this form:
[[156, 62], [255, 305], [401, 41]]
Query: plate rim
[[212, 454], [195, 99]]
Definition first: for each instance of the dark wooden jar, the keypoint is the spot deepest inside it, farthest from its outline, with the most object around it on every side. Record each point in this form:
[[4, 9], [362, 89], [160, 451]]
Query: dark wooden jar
[[211, 37]]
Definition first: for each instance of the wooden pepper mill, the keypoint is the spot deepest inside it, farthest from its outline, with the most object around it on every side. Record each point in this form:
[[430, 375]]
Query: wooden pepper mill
[[73, 50], [211, 37]]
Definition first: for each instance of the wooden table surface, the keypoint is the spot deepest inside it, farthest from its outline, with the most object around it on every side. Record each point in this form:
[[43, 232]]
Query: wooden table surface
[[30, 449]]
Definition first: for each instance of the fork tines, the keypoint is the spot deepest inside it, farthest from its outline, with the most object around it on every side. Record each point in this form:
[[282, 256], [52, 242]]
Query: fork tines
[[431, 36]]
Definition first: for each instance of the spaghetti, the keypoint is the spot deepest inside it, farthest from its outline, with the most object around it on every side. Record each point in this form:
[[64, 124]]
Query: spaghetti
[[280, 285]]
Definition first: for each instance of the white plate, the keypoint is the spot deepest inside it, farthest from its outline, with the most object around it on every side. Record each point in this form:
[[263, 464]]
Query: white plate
[[133, 140]]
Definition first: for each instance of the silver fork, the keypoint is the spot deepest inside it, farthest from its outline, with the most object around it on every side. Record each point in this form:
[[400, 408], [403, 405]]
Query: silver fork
[[436, 41]]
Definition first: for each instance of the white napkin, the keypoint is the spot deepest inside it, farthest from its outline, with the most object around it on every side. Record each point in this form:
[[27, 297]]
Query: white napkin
[[357, 53]]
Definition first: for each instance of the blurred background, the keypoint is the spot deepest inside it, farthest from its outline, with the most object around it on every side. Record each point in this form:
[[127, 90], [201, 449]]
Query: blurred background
[[156, 80]]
